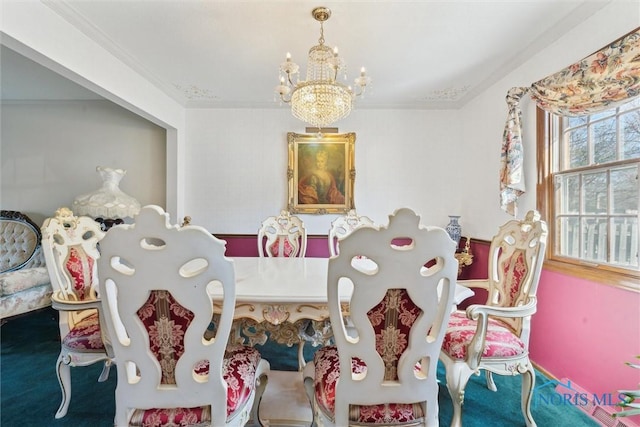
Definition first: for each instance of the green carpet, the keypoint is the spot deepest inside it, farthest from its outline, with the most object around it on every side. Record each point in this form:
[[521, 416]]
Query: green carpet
[[31, 395]]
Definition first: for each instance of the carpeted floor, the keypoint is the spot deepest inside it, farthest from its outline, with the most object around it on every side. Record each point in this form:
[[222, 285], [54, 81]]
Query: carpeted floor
[[30, 394]]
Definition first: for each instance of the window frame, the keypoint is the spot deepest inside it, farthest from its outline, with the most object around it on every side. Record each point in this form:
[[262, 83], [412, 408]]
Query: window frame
[[606, 274]]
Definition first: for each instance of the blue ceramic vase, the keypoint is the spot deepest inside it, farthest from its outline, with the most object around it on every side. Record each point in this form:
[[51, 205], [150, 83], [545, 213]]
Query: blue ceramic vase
[[454, 229]]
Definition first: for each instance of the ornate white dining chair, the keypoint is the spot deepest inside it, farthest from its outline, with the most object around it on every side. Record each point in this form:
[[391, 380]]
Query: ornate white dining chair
[[387, 374], [343, 226], [494, 336], [70, 248], [155, 283], [282, 236]]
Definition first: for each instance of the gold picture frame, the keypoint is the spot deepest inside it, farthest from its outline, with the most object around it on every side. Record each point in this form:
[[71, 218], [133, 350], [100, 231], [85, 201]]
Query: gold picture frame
[[321, 172]]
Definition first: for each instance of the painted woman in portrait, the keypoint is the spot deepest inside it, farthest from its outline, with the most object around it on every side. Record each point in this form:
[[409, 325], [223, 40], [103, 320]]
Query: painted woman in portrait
[[318, 186]]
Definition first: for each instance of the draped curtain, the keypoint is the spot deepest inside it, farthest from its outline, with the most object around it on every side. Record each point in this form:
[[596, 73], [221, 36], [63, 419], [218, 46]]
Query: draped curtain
[[601, 81]]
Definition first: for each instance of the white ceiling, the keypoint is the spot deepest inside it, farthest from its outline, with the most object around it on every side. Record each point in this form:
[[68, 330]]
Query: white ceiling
[[420, 54]]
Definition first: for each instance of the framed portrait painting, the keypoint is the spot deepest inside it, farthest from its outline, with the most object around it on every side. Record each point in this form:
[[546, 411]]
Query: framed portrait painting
[[321, 172]]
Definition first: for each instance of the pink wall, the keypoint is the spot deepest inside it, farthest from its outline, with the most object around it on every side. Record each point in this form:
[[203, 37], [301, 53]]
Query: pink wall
[[583, 331]]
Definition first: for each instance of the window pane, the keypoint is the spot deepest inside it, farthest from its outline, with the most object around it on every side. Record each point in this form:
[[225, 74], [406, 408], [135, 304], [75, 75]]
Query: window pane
[[576, 121], [595, 193], [625, 241], [631, 105], [602, 114], [594, 239], [578, 150], [568, 194], [630, 128], [625, 196], [569, 244], [604, 137]]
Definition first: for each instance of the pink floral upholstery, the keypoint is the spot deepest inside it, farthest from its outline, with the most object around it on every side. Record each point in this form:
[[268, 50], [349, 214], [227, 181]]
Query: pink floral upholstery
[[283, 235], [391, 319], [239, 372], [515, 269], [500, 340], [327, 373], [287, 248], [171, 417], [85, 336], [166, 322], [80, 268]]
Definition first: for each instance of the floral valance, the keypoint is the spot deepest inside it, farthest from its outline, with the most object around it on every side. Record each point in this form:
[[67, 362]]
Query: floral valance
[[601, 81]]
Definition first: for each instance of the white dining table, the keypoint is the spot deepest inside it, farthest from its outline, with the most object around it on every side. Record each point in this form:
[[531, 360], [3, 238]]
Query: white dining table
[[285, 300], [278, 290]]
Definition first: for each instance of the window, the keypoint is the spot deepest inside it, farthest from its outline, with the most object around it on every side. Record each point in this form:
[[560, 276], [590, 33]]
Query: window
[[591, 193]]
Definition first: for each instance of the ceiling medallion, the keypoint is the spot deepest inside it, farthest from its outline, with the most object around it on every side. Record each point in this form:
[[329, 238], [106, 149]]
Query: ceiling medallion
[[194, 92], [448, 94]]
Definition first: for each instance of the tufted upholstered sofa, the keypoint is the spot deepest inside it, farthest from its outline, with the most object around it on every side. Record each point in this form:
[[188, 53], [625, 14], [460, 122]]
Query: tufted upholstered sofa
[[24, 280]]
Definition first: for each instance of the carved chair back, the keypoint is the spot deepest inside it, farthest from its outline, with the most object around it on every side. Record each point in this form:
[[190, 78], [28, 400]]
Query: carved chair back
[[70, 247], [343, 226], [282, 236], [399, 310], [154, 281], [515, 264]]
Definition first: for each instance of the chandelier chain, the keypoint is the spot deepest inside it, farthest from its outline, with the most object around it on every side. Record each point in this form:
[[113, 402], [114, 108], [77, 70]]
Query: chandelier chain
[[321, 39]]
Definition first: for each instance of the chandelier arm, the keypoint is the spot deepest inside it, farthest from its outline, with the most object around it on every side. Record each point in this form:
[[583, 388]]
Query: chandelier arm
[[285, 99], [291, 84]]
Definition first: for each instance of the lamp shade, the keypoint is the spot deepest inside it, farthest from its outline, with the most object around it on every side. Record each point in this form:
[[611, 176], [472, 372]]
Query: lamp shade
[[108, 201]]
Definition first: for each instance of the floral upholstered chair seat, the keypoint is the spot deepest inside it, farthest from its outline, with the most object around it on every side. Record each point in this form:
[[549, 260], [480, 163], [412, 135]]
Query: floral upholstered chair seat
[[383, 370], [157, 302], [85, 335], [162, 315], [494, 336], [240, 376], [391, 320], [500, 340]]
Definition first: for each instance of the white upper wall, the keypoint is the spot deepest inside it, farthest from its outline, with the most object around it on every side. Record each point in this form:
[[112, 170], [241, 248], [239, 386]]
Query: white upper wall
[[237, 163], [226, 168], [50, 152]]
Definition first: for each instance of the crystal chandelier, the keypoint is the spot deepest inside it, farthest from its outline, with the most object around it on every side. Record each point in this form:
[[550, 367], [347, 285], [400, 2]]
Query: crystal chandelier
[[320, 100]]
